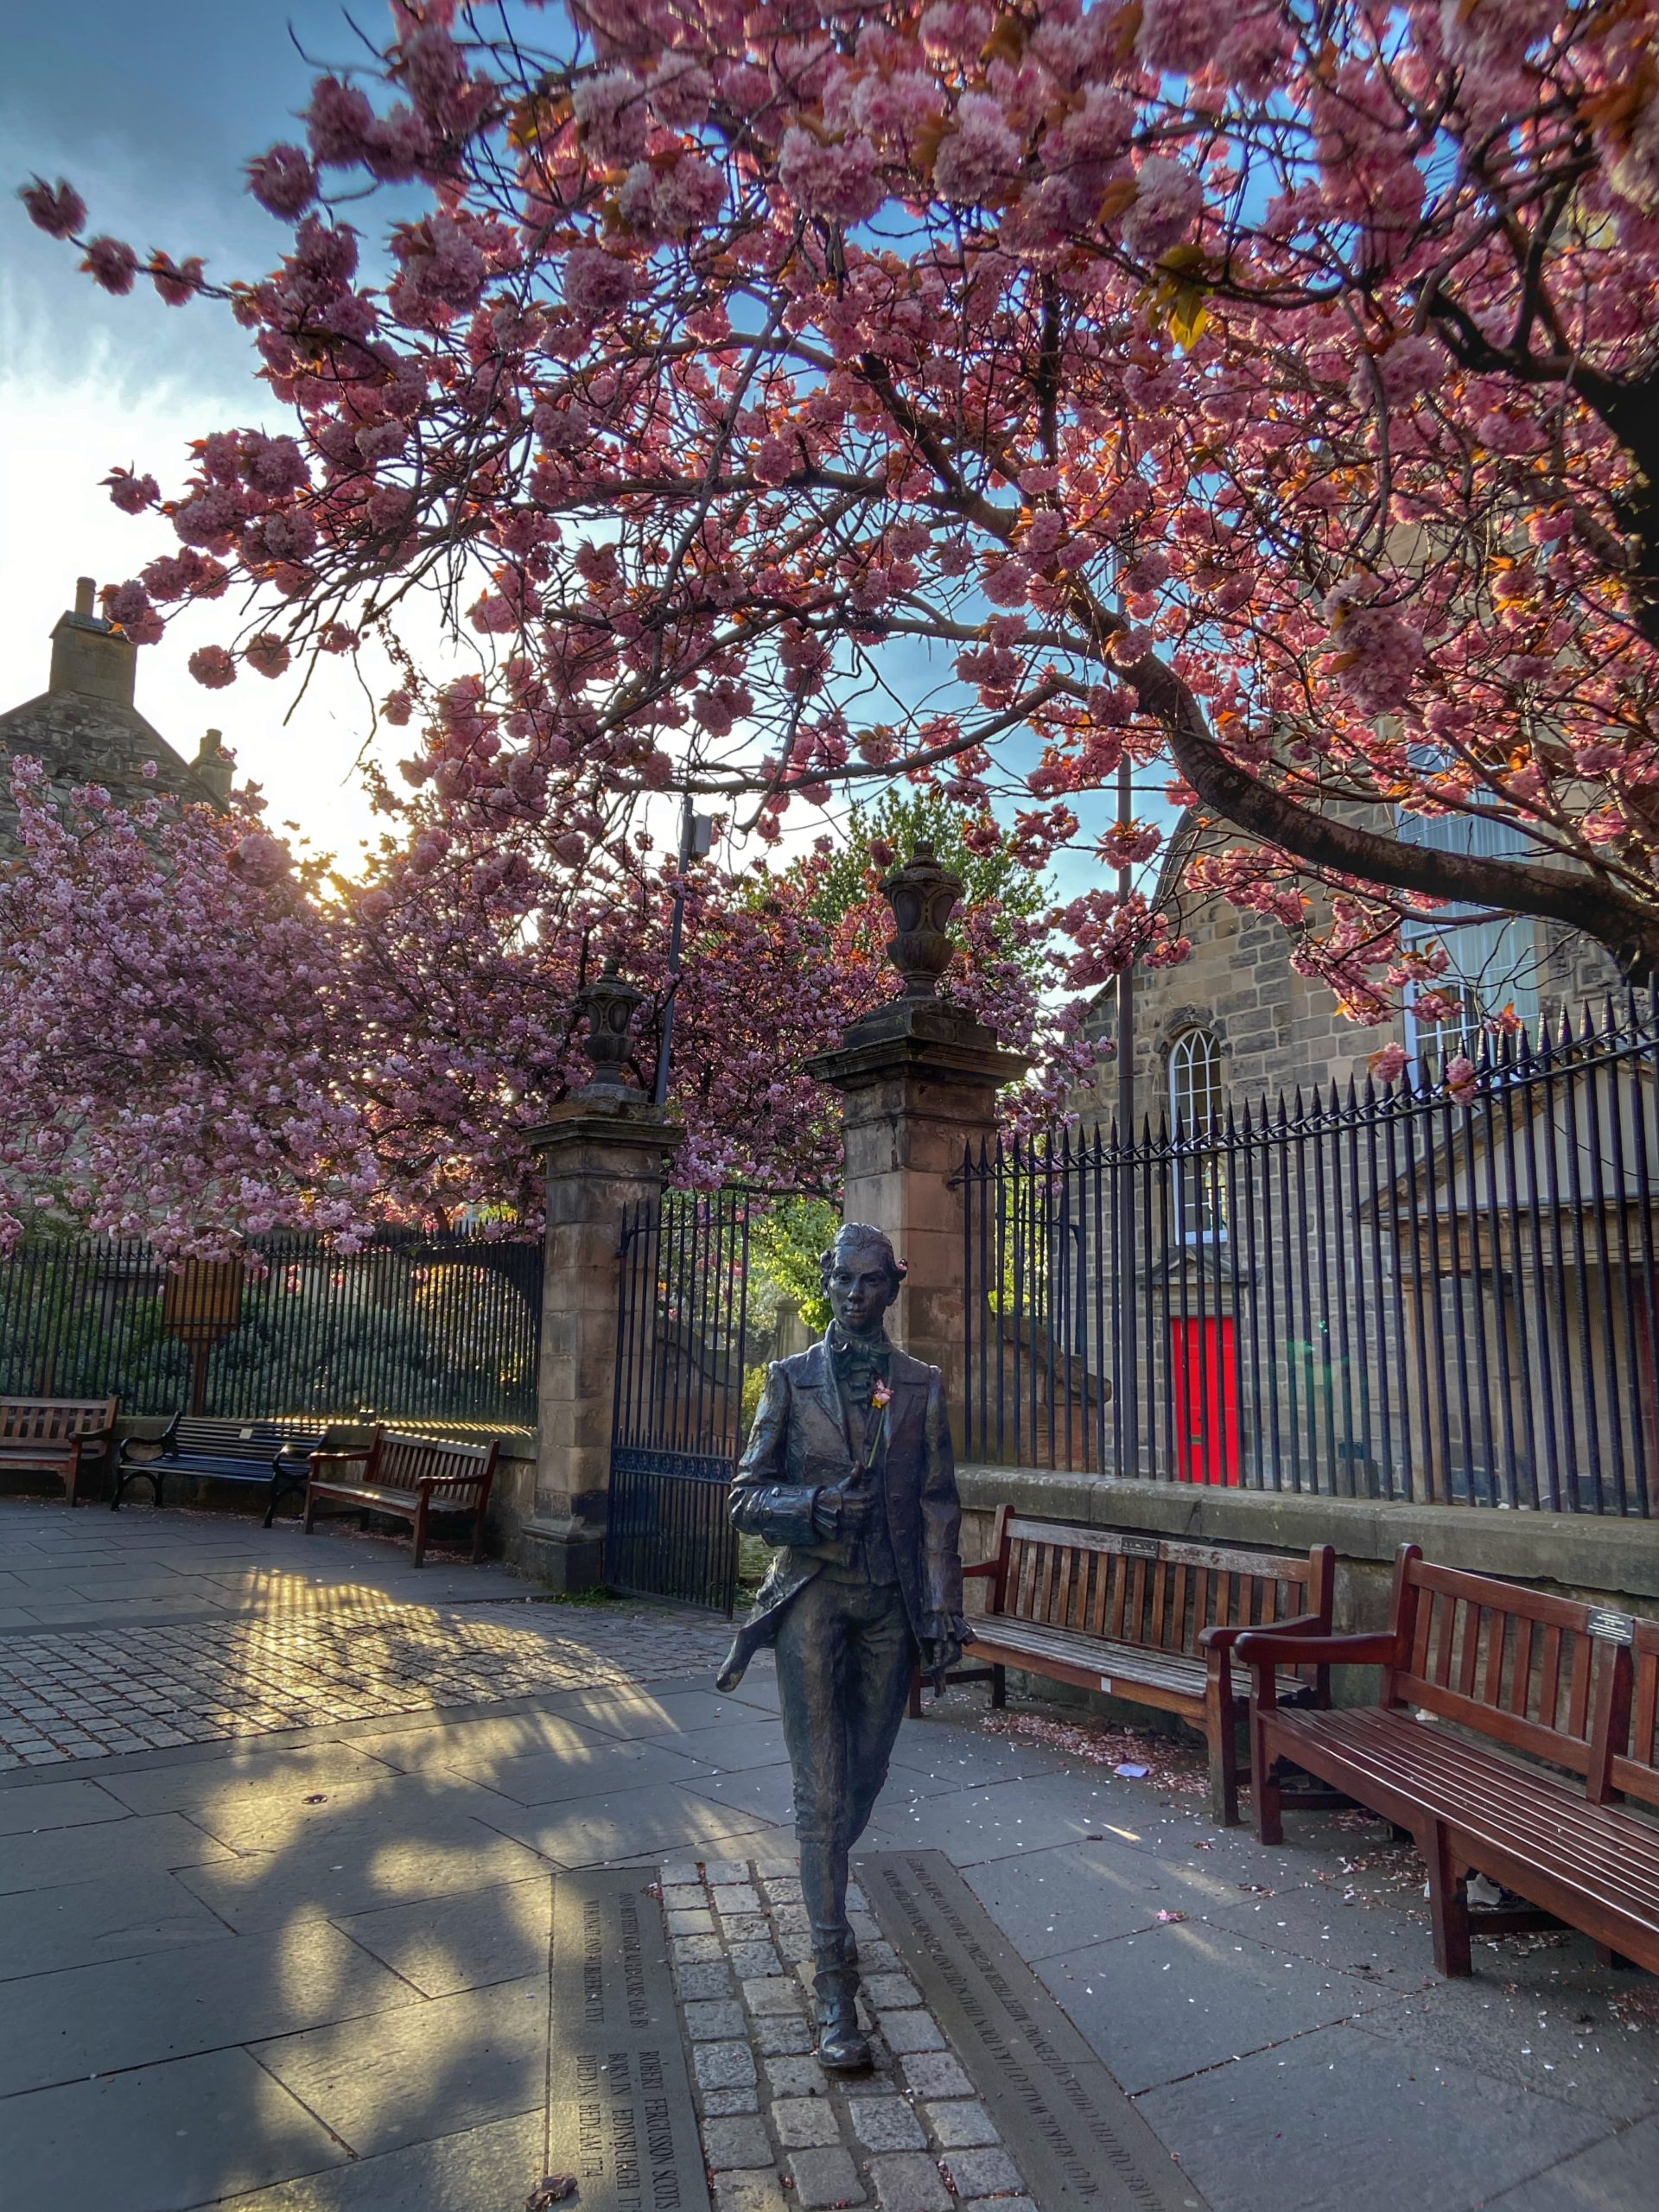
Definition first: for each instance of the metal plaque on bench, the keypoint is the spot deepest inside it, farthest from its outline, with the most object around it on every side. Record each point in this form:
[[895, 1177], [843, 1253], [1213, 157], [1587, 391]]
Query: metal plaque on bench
[[620, 2110], [1611, 1627], [1074, 2135]]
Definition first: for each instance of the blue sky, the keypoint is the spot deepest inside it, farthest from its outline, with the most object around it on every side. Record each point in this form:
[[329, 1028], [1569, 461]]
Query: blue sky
[[152, 120]]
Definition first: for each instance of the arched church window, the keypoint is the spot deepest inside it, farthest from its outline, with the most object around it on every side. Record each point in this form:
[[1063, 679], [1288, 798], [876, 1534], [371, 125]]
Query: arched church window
[[1195, 1116]]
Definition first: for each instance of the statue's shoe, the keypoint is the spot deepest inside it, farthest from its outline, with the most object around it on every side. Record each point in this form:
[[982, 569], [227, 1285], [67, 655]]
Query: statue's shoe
[[842, 2046]]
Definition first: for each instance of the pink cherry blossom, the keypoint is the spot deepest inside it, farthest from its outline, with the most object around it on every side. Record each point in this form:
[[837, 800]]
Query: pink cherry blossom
[[59, 209], [283, 180], [840, 181], [112, 264], [212, 665], [1168, 198]]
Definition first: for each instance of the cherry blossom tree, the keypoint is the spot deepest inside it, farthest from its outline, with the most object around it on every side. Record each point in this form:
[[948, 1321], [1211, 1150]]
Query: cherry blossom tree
[[783, 396], [207, 1037], [167, 993]]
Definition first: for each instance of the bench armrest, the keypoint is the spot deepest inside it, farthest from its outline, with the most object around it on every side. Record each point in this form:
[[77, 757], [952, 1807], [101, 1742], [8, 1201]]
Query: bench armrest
[[160, 1440], [1217, 1638], [1263, 1649], [337, 1459], [984, 1567]]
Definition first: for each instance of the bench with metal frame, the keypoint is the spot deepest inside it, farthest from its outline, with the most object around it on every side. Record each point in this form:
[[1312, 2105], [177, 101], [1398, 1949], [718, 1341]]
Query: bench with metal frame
[[1151, 1619], [275, 1452], [411, 1478], [57, 1435], [1508, 1722]]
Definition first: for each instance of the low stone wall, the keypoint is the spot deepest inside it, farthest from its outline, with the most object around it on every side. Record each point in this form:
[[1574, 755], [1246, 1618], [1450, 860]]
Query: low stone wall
[[1598, 1559]]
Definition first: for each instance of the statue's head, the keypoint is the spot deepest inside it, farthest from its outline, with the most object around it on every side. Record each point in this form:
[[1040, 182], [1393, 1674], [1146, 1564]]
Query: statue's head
[[861, 1278]]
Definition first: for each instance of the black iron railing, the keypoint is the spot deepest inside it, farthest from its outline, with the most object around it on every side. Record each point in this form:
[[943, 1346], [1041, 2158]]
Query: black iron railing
[[412, 1326], [1366, 1292], [681, 1325]]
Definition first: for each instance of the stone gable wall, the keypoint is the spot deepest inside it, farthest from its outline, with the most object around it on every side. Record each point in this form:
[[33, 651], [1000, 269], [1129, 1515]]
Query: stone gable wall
[[1279, 1030]]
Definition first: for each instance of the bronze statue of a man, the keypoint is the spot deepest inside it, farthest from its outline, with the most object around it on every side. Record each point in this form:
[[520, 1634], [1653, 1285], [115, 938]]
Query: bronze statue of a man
[[849, 1473]]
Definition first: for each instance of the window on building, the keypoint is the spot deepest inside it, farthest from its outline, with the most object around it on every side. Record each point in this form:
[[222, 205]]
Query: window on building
[[1195, 1113], [1494, 964]]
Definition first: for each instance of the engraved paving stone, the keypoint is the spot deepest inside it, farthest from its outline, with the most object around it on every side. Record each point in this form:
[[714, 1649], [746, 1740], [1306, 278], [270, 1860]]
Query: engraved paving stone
[[1077, 2139], [619, 2103]]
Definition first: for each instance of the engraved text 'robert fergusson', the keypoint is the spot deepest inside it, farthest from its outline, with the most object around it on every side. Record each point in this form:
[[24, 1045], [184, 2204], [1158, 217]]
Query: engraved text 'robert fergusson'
[[619, 2104]]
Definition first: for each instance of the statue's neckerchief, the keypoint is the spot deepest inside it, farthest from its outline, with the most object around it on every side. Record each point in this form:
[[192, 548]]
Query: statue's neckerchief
[[864, 1359]]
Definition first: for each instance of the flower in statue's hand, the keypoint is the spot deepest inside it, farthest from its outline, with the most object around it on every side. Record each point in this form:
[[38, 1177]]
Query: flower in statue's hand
[[881, 1394]]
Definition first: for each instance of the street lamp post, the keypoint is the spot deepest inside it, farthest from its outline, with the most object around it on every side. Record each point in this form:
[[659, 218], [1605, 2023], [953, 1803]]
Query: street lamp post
[[697, 841], [1127, 1349]]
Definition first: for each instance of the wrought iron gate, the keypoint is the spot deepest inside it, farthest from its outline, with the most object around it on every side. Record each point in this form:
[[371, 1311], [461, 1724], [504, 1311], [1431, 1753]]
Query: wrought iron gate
[[681, 1323]]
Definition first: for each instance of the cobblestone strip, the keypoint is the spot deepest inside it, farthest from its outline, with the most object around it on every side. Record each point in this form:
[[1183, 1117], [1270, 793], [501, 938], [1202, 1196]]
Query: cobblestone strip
[[89, 1694], [909, 2136]]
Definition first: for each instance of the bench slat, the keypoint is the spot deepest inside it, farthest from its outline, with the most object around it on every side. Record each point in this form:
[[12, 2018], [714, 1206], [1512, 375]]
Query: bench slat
[[1488, 1794], [410, 1477], [1090, 1606], [1514, 1670]]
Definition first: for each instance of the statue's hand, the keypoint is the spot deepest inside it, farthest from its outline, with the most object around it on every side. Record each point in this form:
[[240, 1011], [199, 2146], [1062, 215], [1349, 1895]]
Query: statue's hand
[[939, 1655], [942, 1641], [842, 1513]]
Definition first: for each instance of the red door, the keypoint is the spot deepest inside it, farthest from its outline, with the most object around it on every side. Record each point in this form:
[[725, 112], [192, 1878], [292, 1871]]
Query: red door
[[1204, 1367]]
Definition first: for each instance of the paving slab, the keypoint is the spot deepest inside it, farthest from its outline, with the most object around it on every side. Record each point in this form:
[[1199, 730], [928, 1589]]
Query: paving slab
[[165, 2138], [964, 1756], [1053, 1903], [1620, 2174], [669, 1713], [994, 1823], [60, 1856], [745, 1740], [597, 1829], [244, 1776], [1567, 2048], [57, 1805], [86, 1924], [495, 2165], [355, 1871], [288, 1813], [468, 1941], [1368, 1937], [1162, 2005], [768, 1792], [98, 2019], [433, 2069], [1327, 2123], [592, 1770], [417, 1742]]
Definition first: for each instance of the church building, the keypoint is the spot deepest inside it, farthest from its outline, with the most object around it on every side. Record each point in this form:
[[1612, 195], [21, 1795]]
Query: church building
[[1236, 1022], [86, 729]]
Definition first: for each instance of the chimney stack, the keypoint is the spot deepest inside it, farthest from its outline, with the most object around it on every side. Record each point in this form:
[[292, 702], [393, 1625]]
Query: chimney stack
[[214, 766], [88, 656]]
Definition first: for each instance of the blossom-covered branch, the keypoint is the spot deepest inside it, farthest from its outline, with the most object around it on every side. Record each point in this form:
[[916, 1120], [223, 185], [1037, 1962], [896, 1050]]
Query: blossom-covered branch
[[783, 394]]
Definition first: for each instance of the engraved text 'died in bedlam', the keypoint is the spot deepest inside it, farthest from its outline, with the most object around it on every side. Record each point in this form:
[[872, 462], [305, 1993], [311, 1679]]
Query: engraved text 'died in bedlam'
[[619, 2108], [1071, 2130]]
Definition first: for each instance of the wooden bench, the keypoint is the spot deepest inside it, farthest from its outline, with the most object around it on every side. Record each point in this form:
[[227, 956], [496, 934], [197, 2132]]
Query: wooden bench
[[56, 1434], [1153, 1619], [408, 1476], [273, 1452], [1507, 1723]]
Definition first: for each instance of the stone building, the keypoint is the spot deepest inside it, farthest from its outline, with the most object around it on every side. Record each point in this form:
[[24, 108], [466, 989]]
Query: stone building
[[86, 729], [1236, 1022]]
